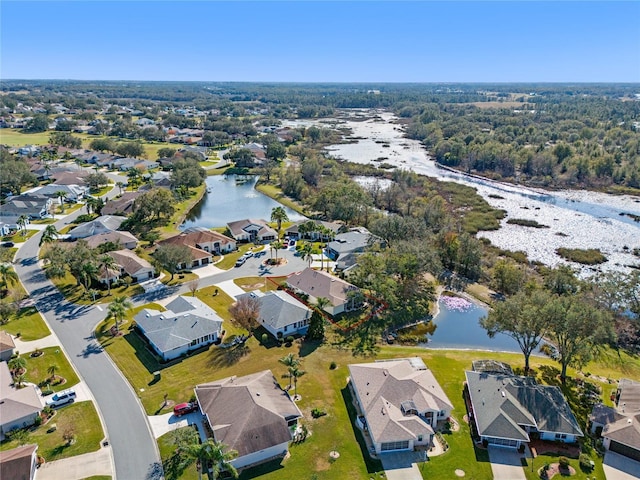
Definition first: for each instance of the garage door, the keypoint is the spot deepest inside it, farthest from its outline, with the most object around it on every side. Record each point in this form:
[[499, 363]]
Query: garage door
[[624, 450], [502, 442], [389, 446]]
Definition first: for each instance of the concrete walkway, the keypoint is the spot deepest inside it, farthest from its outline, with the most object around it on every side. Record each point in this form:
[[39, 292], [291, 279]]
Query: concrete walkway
[[78, 467], [505, 464], [161, 424], [402, 465], [207, 271]]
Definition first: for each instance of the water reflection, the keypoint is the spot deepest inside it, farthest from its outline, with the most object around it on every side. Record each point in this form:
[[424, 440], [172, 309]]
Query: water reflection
[[232, 198]]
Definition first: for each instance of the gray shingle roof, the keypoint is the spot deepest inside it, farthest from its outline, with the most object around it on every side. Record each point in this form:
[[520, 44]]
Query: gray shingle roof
[[103, 224], [248, 413], [321, 284], [278, 308], [503, 402], [170, 329]]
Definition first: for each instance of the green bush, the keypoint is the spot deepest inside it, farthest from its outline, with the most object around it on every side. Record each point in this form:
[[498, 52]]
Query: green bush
[[563, 462], [317, 413], [333, 366], [264, 338], [585, 462]]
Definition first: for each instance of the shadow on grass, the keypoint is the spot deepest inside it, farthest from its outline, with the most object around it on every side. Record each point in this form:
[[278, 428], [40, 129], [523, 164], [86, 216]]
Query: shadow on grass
[[263, 469], [308, 347], [373, 465], [225, 357], [174, 467]]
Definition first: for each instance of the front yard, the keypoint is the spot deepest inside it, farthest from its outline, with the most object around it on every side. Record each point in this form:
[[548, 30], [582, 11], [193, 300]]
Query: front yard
[[81, 418], [38, 366], [29, 324]]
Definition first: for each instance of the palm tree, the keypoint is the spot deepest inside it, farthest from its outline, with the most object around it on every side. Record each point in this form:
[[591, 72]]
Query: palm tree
[[322, 302], [17, 364], [61, 194], [120, 185], [212, 456], [296, 373], [107, 264], [22, 222], [276, 245], [307, 253], [118, 309], [279, 215], [88, 271], [7, 274], [19, 380], [52, 371], [289, 361], [49, 235], [307, 227]]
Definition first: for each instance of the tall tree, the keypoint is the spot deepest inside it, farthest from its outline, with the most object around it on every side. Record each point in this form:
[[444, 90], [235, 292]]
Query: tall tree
[[118, 309], [279, 215], [307, 253], [49, 235], [316, 326], [577, 329], [521, 318], [289, 361], [173, 257], [245, 312], [107, 267], [61, 195], [212, 457], [7, 274], [22, 222]]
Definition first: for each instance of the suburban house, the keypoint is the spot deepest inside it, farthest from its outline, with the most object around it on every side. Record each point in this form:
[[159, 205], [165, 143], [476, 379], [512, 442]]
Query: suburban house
[[124, 239], [122, 205], [334, 228], [103, 224], [356, 240], [400, 403], [342, 295], [619, 427], [19, 463], [187, 324], [281, 314], [131, 264], [251, 230], [69, 177], [73, 193], [32, 206], [203, 239], [5, 228], [510, 410], [252, 415], [18, 407], [7, 345]]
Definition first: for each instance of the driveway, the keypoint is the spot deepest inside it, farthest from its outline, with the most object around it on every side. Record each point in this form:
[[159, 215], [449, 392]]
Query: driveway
[[161, 424], [78, 467], [402, 465], [619, 467], [505, 464]]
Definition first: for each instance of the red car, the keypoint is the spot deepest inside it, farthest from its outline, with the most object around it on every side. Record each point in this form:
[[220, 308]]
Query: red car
[[184, 408]]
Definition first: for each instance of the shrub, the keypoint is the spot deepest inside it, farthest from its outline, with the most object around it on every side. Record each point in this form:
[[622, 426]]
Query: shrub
[[563, 462], [591, 256], [38, 421], [585, 462], [318, 412], [289, 339], [264, 338], [333, 366]]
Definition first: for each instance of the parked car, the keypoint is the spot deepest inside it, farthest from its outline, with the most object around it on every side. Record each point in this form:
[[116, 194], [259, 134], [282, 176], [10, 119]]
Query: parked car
[[241, 261], [184, 408], [61, 398], [7, 244], [292, 243]]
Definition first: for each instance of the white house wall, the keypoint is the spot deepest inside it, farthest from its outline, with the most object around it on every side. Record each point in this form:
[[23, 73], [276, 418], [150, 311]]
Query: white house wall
[[261, 456]]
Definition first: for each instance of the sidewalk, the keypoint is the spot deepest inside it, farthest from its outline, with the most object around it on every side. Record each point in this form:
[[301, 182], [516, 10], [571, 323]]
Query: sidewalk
[[78, 467], [230, 288]]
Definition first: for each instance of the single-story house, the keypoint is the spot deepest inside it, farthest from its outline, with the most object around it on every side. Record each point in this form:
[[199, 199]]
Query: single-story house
[[69, 177], [342, 295], [619, 427], [131, 264], [124, 239], [74, 192], [18, 407], [507, 409], [252, 230], [334, 228], [400, 403], [252, 415], [203, 239], [102, 224], [32, 206], [281, 314], [187, 324], [7, 345], [122, 205], [19, 463], [356, 240]]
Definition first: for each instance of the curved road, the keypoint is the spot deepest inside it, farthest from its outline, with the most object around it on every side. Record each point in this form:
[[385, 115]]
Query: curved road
[[135, 451]]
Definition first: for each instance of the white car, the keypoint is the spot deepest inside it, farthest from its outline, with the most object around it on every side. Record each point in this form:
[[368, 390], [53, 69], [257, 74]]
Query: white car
[[61, 398]]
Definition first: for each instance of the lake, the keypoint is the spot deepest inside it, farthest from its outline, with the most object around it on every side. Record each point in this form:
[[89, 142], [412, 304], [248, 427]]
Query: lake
[[458, 327], [229, 199]]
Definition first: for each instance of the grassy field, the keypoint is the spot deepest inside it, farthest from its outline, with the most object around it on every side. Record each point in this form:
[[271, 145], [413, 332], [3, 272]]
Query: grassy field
[[15, 137], [81, 417], [18, 237], [37, 368], [29, 324], [276, 193], [259, 283]]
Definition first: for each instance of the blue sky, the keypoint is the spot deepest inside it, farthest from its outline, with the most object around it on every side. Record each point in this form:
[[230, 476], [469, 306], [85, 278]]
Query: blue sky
[[334, 41]]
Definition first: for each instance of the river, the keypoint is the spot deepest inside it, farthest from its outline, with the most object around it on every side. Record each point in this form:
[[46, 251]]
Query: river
[[576, 218]]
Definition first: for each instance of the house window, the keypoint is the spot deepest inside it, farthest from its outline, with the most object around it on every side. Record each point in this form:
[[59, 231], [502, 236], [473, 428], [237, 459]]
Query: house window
[[286, 327], [561, 436], [420, 438], [193, 342]]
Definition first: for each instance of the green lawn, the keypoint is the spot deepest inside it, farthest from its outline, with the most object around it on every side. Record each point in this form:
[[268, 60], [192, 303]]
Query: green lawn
[[531, 471], [15, 137], [37, 368], [19, 237], [29, 324], [259, 283], [229, 259], [43, 221], [274, 192], [167, 450], [82, 418]]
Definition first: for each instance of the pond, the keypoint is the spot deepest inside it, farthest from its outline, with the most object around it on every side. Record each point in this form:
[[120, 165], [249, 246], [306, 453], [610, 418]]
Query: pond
[[230, 198], [457, 326]]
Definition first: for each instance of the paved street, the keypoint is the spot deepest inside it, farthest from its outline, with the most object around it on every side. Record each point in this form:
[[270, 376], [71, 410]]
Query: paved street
[[135, 452]]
